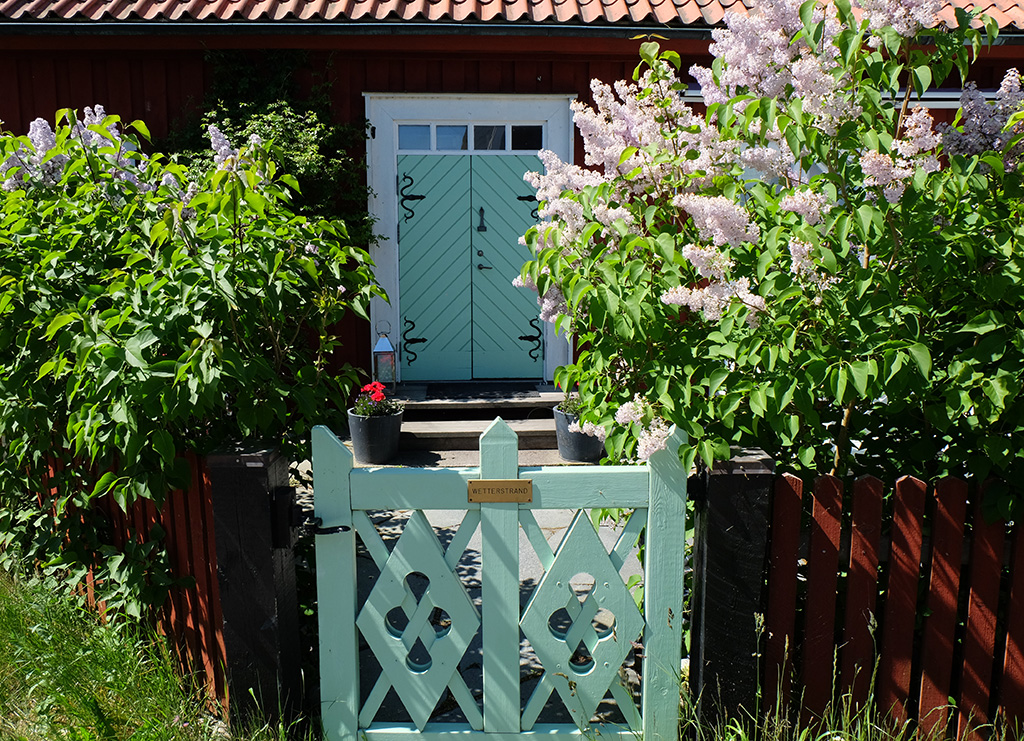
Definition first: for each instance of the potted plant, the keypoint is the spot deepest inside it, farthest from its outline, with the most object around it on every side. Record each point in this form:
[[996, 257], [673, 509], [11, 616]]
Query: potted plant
[[577, 443], [375, 423]]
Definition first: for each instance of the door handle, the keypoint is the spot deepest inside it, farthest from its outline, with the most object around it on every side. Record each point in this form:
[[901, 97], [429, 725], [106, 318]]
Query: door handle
[[481, 266], [479, 253]]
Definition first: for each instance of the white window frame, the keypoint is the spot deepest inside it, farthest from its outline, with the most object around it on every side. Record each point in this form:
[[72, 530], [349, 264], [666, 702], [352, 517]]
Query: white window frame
[[385, 112]]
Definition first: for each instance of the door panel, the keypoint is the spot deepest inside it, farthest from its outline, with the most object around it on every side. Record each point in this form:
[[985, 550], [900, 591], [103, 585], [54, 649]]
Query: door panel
[[434, 241], [461, 316], [502, 314]]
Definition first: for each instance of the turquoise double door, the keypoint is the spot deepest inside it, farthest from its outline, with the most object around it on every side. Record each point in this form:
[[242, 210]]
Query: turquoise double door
[[460, 217]]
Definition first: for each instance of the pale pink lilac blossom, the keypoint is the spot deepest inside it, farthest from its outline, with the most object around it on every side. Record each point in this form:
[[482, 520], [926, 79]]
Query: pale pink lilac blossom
[[652, 439], [718, 219], [906, 17], [761, 58], [984, 124], [589, 429], [707, 261], [807, 203], [632, 411], [713, 300]]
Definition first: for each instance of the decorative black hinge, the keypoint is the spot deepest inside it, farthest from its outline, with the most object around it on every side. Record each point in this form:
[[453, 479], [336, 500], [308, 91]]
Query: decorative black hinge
[[534, 338], [410, 356], [530, 199], [406, 197]]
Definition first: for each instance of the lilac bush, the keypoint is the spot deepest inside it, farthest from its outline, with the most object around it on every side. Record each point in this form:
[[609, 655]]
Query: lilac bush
[[811, 265]]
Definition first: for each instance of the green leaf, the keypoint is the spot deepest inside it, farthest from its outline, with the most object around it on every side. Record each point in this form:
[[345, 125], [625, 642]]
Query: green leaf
[[922, 357], [983, 323], [61, 320], [163, 443], [860, 373]]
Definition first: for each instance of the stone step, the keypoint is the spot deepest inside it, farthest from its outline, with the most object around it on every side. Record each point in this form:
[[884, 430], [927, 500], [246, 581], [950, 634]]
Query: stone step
[[464, 434], [476, 401]]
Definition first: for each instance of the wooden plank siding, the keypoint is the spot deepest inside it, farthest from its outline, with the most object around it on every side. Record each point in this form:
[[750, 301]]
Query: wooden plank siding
[[917, 568]]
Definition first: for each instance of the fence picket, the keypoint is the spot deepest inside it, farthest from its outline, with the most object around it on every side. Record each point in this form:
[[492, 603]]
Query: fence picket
[[862, 588], [781, 615], [822, 568], [943, 593], [979, 640], [1012, 686], [901, 598]]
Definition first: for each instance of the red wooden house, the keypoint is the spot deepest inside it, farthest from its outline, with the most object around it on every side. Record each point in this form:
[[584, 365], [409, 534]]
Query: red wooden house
[[460, 95]]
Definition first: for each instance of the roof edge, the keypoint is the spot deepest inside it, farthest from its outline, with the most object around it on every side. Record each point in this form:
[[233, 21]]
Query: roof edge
[[351, 28]]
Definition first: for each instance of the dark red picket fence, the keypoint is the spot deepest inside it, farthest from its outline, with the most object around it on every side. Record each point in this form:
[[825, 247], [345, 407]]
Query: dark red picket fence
[[191, 616], [916, 592]]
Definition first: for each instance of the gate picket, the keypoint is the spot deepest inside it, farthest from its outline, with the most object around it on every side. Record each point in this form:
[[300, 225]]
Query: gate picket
[[657, 493]]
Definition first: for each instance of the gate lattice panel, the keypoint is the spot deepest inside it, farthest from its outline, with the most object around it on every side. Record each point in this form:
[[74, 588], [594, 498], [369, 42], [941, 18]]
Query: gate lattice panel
[[419, 655]]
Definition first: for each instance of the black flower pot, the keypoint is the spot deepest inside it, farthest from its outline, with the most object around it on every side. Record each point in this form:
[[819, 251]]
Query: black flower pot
[[575, 446], [375, 439]]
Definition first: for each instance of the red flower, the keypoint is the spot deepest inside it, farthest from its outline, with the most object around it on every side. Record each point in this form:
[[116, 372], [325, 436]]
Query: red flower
[[375, 387], [377, 396]]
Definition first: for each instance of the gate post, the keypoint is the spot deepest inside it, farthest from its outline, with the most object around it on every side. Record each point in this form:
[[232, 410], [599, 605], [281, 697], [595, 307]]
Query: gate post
[[730, 547], [256, 576], [335, 587], [499, 558], [663, 593]]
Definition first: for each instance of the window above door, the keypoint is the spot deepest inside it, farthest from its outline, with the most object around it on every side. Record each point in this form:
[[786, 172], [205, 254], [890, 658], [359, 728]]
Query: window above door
[[491, 138]]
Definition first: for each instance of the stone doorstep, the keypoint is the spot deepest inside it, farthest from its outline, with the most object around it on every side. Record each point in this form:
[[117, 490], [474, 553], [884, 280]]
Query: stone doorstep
[[464, 434]]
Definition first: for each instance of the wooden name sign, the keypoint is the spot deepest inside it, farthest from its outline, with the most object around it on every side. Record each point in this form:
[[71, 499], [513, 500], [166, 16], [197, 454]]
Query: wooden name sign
[[501, 490]]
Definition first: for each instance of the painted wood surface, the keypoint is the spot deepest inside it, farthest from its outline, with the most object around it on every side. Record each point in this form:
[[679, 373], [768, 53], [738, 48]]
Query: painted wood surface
[[944, 615], [434, 267], [976, 681], [581, 659], [901, 602], [823, 562], [502, 313], [937, 645], [862, 588], [782, 588]]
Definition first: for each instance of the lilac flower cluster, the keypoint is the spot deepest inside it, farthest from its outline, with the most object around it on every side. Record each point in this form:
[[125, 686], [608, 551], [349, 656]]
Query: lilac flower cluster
[[761, 58], [985, 124], [652, 439], [906, 17], [225, 157], [589, 429], [806, 203], [713, 300], [552, 303], [718, 219], [632, 411], [915, 149]]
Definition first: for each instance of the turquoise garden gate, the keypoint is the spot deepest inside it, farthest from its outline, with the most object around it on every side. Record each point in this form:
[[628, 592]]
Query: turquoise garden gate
[[420, 656]]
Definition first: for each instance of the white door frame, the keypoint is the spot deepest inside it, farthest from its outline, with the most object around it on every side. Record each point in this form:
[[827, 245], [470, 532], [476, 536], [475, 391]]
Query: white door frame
[[385, 112]]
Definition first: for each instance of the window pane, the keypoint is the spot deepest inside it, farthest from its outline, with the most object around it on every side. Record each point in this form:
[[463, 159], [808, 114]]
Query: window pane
[[529, 138], [489, 137], [452, 137], [413, 137]]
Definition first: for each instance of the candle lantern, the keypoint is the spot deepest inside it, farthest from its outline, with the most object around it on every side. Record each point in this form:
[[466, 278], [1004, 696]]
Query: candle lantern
[[384, 359]]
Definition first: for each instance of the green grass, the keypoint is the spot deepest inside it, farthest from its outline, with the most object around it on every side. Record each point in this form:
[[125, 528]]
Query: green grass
[[65, 675]]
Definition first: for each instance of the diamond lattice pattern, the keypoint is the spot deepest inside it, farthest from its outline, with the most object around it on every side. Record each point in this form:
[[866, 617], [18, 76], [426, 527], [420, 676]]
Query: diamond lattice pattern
[[419, 681], [581, 686]]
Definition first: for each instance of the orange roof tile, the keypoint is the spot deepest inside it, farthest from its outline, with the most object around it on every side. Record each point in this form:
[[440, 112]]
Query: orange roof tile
[[677, 13]]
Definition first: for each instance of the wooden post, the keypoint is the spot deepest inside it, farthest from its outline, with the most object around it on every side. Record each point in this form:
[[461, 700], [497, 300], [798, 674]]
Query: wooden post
[[256, 575], [663, 595], [730, 555], [499, 530], [335, 587]]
